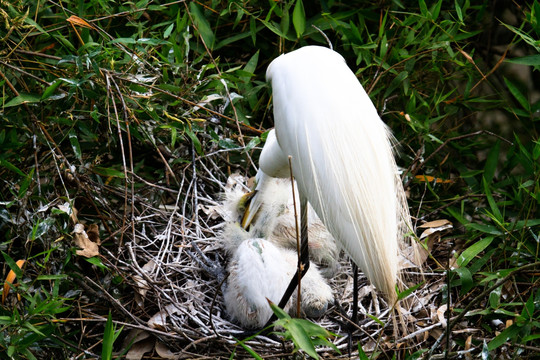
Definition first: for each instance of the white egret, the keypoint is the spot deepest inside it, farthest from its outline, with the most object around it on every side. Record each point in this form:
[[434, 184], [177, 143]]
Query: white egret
[[262, 263], [275, 222], [342, 161], [259, 270]]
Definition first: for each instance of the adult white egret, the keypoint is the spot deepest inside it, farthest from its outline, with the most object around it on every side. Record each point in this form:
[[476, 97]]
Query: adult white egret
[[342, 160]]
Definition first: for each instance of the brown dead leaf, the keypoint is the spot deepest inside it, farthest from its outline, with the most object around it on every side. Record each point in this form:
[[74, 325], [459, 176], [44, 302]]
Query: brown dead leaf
[[159, 320], [431, 179], [237, 180], [164, 352], [435, 333], [75, 20], [467, 56], [468, 344], [137, 351], [87, 247], [141, 342], [10, 278], [435, 223], [441, 316], [93, 233], [416, 252], [142, 285], [211, 211], [433, 227], [134, 336]]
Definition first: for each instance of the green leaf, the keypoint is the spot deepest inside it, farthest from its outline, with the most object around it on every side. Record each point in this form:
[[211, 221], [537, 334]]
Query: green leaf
[[108, 172], [168, 31], [530, 60], [458, 11], [423, 8], [299, 18], [285, 22], [23, 99], [10, 166], [228, 144], [487, 229], [251, 66], [466, 279], [518, 95], [32, 328], [301, 339], [492, 203], [361, 354], [203, 26], [52, 277], [436, 10], [528, 309], [49, 91], [531, 338], [252, 143], [495, 297], [472, 251], [278, 311], [507, 334], [12, 265], [75, 144], [123, 41], [97, 262], [195, 140], [108, 339], [536, 151], [24, 184], [253, 30], [376, 319], [249, 350], [403, 294]]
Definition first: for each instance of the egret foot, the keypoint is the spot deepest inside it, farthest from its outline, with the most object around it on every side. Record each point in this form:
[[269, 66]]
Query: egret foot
[[212, 267]]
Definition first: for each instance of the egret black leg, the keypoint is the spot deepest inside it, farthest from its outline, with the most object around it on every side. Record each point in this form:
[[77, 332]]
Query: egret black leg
[[303, 262], [354, 318], [355, 294]]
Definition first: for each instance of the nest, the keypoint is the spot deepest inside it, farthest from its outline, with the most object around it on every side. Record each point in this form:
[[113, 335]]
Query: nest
[[177, 305]]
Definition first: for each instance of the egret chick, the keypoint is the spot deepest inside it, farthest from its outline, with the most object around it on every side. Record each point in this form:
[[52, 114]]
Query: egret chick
[[274, 221], [259, 270]]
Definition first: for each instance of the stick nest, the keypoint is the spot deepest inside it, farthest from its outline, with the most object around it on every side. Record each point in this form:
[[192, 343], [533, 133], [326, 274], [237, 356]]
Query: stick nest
[[179, 305]]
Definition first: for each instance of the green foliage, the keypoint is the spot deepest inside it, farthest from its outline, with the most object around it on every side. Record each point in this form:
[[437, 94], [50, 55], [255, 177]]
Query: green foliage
[[304, 334], [30, 322], [96, 92], [109, 336]]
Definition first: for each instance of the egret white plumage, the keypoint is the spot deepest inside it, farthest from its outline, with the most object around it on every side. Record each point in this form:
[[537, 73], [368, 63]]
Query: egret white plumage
[[274, 221], [262, 261], [342, 160], [259, 270]]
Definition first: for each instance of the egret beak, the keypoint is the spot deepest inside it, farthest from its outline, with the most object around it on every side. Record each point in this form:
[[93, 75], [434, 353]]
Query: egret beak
[[252, 204], [253, 200]]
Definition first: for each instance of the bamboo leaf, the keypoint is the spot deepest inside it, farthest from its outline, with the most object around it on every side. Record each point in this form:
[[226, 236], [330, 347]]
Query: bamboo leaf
[[518, 95], [299, 18], [472, 251]]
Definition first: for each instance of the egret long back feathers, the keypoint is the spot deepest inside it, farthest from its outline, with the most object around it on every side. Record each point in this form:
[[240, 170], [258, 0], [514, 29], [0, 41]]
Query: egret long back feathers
[[342, 157]]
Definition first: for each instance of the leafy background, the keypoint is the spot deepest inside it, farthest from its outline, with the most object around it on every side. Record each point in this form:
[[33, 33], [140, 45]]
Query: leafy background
[[106, 104]]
